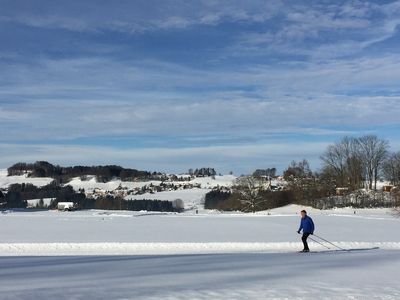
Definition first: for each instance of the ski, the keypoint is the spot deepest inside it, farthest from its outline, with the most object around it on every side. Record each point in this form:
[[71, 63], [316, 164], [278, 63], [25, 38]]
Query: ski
[[342, 250]]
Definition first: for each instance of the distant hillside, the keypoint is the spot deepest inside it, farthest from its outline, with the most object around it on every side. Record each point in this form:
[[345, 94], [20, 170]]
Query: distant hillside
[[63, 174]]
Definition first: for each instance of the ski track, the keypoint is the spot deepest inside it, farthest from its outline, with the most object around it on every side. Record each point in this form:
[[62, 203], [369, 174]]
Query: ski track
[[361, 275]]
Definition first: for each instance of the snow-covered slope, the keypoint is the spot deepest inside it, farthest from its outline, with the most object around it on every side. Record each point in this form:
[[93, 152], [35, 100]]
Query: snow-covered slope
[[192, 197], [5, 180], [91, 183]]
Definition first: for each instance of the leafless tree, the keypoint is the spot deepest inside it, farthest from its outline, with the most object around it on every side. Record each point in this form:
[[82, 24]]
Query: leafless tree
[[298, 170], [373, 152], [391, 168], [343, 162], [250, 192], [335, 161]]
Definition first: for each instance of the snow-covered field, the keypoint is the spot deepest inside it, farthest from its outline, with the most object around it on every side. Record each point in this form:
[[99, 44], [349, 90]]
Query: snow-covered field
[[97, 226], [140, 255], [192, 198]]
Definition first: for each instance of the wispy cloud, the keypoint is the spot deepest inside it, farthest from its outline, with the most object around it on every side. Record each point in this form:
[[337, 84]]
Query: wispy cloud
[[163, 98], [324, 31], [137, 17]]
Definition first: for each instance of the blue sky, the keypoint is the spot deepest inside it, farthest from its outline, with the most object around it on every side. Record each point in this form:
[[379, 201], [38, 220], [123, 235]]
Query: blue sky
[[172, 85]]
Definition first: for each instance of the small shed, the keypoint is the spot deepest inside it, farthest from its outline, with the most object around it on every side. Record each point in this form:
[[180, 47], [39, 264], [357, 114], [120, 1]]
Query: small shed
[[65, 206], [178, 204]]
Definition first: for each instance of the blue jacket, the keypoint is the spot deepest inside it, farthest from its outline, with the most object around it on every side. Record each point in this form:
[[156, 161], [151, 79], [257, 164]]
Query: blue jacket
[[307, 225]]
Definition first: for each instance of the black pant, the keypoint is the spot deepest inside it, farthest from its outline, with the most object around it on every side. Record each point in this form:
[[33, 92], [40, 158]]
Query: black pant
[[304, 239]]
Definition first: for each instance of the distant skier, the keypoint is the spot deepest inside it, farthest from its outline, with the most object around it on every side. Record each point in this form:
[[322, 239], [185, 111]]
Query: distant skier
[[307, 225]]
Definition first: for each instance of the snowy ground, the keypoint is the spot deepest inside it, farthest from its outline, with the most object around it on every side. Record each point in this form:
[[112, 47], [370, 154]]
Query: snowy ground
[[139, 255]]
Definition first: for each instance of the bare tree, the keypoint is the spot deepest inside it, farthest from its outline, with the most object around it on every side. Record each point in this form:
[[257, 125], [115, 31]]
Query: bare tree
[[373, 152], [343, 162], [391, 168], [299, 169], [250, 192], [354, 164], [335, 162]]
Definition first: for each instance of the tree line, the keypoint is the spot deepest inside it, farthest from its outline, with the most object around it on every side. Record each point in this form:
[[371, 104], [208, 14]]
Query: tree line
[[202, 172], [117, 203], [63, 174], [353, 164]]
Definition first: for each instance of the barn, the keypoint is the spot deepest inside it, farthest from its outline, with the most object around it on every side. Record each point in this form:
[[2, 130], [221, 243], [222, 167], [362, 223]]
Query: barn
[[65, 206]]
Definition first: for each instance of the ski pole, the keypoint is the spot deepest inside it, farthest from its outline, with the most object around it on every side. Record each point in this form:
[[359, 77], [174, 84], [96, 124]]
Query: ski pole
[[321, 238], [319, 243]]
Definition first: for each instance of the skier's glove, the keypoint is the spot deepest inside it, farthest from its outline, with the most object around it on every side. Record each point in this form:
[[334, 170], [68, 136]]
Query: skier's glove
[[312, 233], [298, 232]]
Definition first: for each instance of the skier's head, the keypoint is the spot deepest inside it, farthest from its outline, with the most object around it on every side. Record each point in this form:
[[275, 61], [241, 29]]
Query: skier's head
[[303, 213]]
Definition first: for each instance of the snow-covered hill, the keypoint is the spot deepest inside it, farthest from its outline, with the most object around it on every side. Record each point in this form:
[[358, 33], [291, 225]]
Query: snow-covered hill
[[91, 184], [191, 192], [6, 181], [205, 182]]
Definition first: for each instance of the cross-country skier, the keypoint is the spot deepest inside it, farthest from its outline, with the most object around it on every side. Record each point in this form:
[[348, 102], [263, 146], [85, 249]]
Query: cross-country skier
[[307, 225]]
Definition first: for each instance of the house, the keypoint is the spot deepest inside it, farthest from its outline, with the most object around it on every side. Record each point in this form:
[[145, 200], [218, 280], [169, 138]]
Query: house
[[387, 188], [65, 206], [341, 191]]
